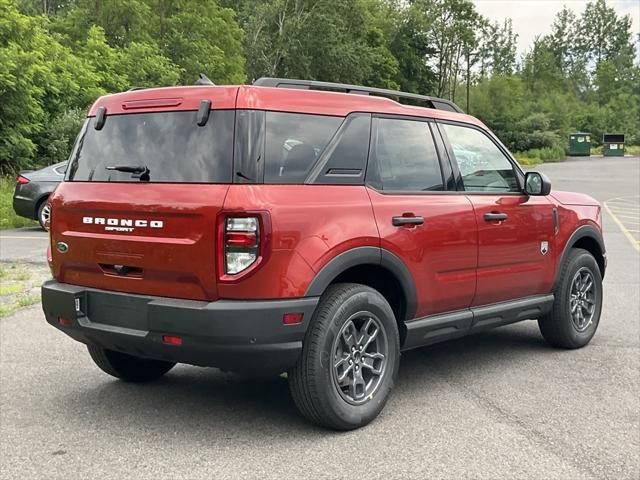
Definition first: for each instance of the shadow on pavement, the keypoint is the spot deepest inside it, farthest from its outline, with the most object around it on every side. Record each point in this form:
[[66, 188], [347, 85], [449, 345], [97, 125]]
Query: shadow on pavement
[[200, 401]]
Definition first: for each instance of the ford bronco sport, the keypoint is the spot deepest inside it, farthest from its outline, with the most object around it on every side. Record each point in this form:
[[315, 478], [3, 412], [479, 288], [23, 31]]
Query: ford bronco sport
[[310, 228]]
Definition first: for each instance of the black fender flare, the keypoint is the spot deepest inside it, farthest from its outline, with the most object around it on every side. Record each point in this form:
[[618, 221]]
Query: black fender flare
[[367, 256], [584, 231]]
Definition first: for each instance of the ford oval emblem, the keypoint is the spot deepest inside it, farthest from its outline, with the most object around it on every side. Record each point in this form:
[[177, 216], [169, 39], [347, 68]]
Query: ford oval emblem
[[62, 247]]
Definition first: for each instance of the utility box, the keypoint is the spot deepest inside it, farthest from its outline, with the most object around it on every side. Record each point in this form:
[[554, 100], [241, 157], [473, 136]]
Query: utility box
[[613, 145], [580, 144]]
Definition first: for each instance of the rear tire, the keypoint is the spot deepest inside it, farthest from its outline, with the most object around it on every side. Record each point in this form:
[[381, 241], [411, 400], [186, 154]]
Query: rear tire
[[576, 310], [127, 367], [349, 359], [43, 214]]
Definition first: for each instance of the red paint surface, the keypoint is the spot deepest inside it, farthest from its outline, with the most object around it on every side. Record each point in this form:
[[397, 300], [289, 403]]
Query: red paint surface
[[441, 254]]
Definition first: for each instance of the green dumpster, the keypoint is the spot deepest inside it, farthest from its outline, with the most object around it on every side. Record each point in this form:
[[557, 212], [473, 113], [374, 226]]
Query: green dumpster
[[613, 145], [580, 144]]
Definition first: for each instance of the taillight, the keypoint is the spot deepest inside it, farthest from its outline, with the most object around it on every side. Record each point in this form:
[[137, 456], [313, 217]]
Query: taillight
[[241, 243], [22, 180], [243, 240]]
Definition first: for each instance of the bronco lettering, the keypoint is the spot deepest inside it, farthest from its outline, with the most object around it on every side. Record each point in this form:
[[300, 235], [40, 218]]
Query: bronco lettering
[[122, 222]]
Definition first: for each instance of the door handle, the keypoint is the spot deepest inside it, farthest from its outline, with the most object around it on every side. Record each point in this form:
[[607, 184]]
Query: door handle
[[495, 217], [406, 221]]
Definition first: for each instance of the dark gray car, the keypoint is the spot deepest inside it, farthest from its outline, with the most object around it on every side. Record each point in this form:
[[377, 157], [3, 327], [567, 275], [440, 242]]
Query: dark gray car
[[32, 190]]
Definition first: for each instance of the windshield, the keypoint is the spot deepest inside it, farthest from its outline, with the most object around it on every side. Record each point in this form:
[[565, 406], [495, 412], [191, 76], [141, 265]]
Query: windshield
[[166, 147]]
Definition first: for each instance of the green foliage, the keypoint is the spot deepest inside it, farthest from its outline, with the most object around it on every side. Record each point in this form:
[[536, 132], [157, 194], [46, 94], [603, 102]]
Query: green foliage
[[56, 140], [57, 57], [329, 40]]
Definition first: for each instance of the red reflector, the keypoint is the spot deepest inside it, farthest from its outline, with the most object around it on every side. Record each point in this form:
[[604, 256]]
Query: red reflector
[[172, 340], [292, 318], [22, 180], [241, 239], [65, 322], [151, 103]]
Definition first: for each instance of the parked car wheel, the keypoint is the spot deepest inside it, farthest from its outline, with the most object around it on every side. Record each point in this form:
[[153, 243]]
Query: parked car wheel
[[127, 367], [44, 213], [575, 315], [349, 359]]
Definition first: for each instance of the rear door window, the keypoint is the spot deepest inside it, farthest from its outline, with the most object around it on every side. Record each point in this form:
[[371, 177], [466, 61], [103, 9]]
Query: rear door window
[[406, 158], [170, 145], [293, 144]]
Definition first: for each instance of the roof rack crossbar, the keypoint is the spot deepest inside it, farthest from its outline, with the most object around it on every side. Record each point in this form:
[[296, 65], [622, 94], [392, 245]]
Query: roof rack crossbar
[[432, 102]]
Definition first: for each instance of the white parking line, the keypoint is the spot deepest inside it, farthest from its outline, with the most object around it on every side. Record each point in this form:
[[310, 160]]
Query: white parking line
[[23, 238]]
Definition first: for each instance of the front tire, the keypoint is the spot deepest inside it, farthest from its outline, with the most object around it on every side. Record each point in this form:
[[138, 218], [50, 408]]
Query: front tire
[[127, 367], [349, 359], [576, 310]]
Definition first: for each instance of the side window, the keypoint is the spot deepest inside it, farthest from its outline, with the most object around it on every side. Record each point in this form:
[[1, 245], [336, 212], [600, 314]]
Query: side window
[[405, 157], [344, 161], [249, 146], [483, 167], [293, 143]]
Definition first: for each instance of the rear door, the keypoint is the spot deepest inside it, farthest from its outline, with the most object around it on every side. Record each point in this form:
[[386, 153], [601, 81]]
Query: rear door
[[137, 211], [515, 231], [431, 230]]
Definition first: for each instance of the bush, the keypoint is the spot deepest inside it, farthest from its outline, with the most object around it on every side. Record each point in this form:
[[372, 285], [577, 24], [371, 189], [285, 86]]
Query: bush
[[538, 155], [56, 140]]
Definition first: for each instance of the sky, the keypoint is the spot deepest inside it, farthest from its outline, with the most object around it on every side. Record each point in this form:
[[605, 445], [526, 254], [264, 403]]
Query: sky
[[534, 17]]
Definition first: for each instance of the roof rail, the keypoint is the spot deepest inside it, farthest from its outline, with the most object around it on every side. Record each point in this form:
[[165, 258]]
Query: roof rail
[[431, 102]]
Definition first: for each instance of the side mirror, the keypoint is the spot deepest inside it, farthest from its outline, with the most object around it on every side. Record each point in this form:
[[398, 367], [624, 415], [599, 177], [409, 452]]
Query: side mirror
[[536, 183]]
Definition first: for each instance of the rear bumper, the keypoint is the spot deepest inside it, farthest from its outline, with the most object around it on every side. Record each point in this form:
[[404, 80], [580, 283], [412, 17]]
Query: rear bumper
[[233, 335], [24, 207]]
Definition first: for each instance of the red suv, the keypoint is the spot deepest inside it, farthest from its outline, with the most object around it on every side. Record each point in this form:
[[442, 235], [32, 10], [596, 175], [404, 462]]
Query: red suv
[[311, 228]]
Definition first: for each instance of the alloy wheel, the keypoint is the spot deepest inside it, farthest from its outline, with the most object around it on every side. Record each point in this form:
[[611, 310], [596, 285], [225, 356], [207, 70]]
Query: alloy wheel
[[582, 300], [359, 357]]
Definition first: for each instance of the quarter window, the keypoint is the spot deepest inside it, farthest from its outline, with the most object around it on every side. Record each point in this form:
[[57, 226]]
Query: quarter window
[[405, 157], [294, 143], [484, 168]]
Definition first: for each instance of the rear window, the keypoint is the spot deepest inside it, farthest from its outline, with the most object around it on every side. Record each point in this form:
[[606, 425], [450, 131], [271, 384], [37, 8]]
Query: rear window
[[293, 144], [170, 145]]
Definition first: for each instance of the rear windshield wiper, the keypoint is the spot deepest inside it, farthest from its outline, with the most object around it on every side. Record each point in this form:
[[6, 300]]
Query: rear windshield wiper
[[138, 171], [129, 168]]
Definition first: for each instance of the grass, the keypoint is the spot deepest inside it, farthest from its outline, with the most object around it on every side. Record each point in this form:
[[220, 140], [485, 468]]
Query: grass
[[19, 286], [526, 161], [8, 218], [9, 289]]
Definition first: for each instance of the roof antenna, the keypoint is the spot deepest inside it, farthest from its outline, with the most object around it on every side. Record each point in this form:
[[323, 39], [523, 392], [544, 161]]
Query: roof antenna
[[203, 80]]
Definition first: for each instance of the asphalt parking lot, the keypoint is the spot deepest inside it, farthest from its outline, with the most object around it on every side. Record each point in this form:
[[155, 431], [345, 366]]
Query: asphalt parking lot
[[498, 405]]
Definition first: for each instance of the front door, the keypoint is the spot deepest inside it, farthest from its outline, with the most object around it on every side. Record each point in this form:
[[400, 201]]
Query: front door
[[515, 231], [432, 231]]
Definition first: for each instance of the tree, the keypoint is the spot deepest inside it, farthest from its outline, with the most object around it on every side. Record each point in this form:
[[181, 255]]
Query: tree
[[200, 36], [602, 36], [341, 40], [39, 78], [452, 34], [411, 46]]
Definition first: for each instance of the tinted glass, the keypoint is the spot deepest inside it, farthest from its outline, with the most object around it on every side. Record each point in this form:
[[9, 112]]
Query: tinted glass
[[249, 146], [406, 157], [483, 167], [345, 160], [170, 144], [293, 144]]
